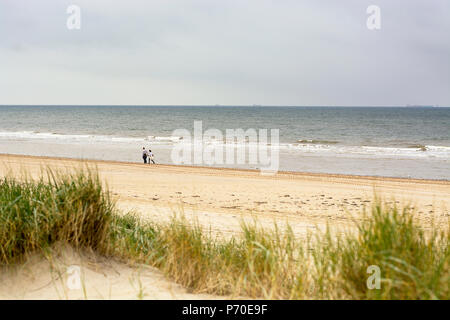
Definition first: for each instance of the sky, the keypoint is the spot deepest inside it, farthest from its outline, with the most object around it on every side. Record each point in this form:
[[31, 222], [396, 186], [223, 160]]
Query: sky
[[227, 52]]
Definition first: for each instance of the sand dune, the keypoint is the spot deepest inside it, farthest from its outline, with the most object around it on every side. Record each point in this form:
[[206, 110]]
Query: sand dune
[[219, 199], [51, 277]]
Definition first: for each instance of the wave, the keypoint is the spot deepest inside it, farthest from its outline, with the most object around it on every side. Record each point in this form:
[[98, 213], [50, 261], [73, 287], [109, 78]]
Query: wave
[[307, 147], [165, 138], [427, 151], [32, 135], [312, 141], [421, 147]]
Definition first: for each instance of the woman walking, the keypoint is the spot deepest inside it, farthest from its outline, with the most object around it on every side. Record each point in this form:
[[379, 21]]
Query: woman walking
[[151, 157]]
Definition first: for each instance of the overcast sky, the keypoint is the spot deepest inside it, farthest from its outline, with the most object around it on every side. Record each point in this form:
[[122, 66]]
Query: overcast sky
[[230, 52]]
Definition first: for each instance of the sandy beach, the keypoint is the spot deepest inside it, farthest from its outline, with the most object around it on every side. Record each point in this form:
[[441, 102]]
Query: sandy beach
[[296, 153], [219, 199]]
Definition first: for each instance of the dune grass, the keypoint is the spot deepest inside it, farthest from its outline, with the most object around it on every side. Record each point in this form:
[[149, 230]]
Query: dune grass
[[69, 208], [413, 264], [271, 264]]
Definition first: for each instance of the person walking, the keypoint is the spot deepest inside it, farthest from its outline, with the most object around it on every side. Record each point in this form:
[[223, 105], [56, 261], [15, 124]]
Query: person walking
[[144, 154], [151, 157]]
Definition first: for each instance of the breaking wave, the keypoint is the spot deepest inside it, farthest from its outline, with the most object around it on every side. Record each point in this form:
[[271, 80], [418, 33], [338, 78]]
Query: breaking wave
[[302, 147]]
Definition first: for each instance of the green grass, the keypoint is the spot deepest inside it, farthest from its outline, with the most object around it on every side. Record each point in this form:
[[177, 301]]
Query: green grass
[[57, 208], [414, 265], [270, 264]]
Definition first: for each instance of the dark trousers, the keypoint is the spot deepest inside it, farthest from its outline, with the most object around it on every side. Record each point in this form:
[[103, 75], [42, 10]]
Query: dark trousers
[[145, 159]]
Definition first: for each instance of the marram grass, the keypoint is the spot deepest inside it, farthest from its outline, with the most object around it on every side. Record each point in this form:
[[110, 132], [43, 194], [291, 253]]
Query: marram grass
[[270, 264], [70, 208]]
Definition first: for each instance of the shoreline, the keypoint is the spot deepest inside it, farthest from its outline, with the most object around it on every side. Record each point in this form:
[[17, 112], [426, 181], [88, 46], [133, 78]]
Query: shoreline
[[240, 170]]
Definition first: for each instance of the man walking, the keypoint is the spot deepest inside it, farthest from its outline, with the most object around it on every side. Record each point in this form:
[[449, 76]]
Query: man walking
[[144, 154]]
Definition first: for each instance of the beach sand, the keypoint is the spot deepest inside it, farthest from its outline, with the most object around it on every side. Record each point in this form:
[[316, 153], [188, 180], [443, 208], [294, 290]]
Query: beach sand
[[226, 195], [101, 278], [219, 199]]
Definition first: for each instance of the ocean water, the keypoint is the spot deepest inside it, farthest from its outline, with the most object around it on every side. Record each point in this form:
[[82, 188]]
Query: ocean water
[[381, 141]]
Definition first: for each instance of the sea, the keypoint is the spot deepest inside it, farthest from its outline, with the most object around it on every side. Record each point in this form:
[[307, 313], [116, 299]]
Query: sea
[[409, 142]]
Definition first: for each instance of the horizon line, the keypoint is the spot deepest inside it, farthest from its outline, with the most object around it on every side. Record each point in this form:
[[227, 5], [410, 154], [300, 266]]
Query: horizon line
[[225, 105]]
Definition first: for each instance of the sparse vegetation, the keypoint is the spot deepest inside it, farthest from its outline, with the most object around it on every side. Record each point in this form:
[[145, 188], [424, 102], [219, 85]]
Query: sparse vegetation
[[271, 264]]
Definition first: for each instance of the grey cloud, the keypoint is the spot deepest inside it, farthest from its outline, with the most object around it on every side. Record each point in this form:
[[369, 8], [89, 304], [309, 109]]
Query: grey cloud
[[282, 52]]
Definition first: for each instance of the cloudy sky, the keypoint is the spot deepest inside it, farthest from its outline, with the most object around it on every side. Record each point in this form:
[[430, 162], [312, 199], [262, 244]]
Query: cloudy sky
[[229, 52]]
